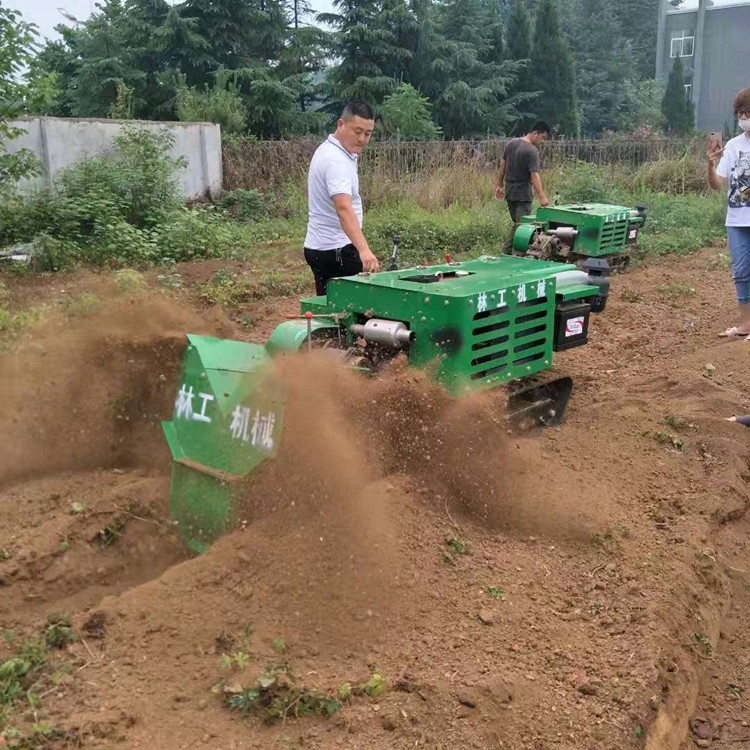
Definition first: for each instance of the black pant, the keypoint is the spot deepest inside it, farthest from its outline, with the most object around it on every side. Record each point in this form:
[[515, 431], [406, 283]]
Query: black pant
[[330, 264], [517, 209]]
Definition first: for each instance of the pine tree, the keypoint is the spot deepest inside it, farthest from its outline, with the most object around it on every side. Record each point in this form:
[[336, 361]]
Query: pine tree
[[638, 24], [470, 96], [518, 48], [603, 63], [304, 53], [368, 50], [519, 32], [496, 50], [677, 108], [241, 33], [553, 72], [424, 43]]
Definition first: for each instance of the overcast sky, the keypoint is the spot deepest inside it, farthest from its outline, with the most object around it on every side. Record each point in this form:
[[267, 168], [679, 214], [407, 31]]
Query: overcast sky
[[46, 13]]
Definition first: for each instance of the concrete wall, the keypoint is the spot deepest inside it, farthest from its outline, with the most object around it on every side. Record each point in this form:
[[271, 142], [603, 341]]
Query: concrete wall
[[726, 65], [59, 142], [723, 66]]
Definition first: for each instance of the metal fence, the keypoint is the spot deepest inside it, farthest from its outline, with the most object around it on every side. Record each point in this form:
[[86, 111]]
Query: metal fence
[[268, 164]]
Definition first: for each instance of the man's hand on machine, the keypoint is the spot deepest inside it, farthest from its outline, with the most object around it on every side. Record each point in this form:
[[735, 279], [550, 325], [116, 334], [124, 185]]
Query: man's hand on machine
[[369, 261]]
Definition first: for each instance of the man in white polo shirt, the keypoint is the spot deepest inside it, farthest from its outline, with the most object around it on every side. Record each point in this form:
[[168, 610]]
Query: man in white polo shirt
[[334, 244]]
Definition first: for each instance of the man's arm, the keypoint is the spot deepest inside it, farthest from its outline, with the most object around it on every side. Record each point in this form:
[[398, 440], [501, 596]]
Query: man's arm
[[500, 187], [350, 224], [536, 181], [714, 179]]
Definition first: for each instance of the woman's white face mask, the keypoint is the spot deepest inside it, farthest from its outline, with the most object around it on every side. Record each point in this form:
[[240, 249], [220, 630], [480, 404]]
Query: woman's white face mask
[[744, 124]]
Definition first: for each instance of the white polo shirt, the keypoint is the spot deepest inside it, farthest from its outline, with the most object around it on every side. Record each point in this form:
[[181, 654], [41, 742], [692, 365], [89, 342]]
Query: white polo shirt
[[333, 171]]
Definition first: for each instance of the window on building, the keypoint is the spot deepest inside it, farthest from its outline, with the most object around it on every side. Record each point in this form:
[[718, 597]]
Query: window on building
[[683, 43], [689, 91]]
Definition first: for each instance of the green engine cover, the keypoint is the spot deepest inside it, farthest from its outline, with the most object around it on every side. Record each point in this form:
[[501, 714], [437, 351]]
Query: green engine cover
[[476, 324]]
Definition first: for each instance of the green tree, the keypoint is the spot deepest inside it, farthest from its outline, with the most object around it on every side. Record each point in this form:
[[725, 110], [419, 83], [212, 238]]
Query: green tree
[[553, 71], [240, 33], [220, 103], [496, 39], [17, 46], [406, 113], [638, 25], [602, 67], [519, 32], [424, 42], [366, 50], [641, 105], [59, 60], [677, 109], [470, 96], [105, 61], [303, 55], [518, 48]]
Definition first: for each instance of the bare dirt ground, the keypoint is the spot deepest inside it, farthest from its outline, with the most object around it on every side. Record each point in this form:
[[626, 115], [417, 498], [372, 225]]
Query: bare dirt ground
[[582, 588]]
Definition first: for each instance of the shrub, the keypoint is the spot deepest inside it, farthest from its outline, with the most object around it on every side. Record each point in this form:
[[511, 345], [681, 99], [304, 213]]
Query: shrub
[[247, 205]]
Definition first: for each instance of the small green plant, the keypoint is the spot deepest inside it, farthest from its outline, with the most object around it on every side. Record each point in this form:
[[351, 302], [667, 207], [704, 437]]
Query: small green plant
[[735, 691], [676, 422], [278, 645], [495, 592], [59, 632], [239, 659], [375, 685], [344, 692], [171, 280], [77, 508], [47, 731], [275, 696], [670, 440], [457, 545], [18, 673], [5, 554], [640, 732]]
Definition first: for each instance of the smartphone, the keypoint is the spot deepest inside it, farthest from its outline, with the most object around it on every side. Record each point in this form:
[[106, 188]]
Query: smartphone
[[715, 141]]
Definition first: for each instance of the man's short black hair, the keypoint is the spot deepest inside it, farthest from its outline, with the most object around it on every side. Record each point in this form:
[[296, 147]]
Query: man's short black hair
[[358, 109], [540, 126]]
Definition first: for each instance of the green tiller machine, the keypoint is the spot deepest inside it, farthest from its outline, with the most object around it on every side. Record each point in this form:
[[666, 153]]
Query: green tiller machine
[[492, 322], [573, 233]]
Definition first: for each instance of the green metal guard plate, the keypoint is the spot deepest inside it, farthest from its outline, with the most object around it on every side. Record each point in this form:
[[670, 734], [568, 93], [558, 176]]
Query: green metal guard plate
[[227, 419]]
